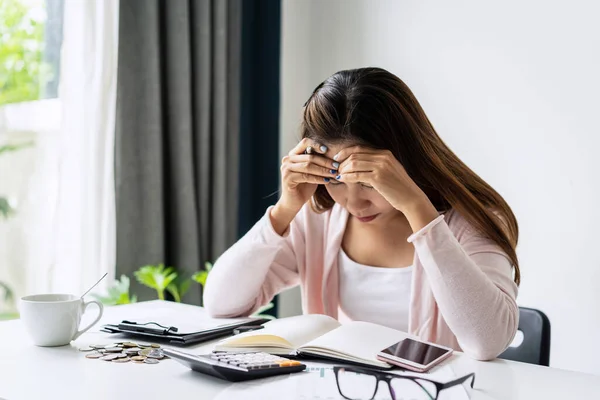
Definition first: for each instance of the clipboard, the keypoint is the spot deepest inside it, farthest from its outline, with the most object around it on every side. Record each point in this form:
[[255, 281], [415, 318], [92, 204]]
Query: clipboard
[[155, 332]]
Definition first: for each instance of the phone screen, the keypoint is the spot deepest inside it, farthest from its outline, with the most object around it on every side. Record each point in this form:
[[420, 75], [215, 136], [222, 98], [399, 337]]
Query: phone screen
[[417, 352]]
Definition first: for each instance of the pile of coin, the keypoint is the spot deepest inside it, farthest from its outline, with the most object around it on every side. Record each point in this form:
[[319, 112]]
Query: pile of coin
[[122, 352]]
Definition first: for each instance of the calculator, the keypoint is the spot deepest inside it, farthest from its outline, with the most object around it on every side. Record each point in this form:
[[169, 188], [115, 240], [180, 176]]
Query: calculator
[[237, 367]]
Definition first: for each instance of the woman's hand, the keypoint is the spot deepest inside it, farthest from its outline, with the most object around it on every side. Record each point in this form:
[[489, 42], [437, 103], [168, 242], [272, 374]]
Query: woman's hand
[[381, 170], [302, 170]]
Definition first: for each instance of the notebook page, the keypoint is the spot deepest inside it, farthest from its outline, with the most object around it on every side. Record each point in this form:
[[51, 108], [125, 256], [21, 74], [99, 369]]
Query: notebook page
[[295, 330], [359, 340]]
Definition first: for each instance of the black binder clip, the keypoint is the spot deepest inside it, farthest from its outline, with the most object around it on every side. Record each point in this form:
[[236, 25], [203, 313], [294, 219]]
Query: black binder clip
[[143, 327]]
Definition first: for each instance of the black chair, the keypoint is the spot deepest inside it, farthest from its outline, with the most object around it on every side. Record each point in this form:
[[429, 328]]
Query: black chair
[[535, 348]]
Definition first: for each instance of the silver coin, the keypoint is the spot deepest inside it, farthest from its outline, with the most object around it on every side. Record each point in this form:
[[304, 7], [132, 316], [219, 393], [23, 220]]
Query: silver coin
[[144, 345], [109, 357], [94, 355], [86, 349], [113, 349], [120, 360], [97, 346], [122, 355], [144, 352], [132, 351], [151, 361], [158, 354]]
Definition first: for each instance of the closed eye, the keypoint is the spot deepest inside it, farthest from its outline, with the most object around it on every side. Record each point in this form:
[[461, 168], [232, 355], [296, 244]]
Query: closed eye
[[365, 185]]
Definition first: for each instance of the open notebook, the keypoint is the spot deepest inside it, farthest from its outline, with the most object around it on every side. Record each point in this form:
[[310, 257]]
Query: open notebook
[[318, 335]]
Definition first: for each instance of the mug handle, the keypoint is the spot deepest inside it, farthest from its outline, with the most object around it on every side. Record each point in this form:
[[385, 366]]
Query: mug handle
[[100, 312]]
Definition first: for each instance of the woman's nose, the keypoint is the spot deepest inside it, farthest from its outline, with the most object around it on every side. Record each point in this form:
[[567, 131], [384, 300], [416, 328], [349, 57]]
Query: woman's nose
[[356, 202]]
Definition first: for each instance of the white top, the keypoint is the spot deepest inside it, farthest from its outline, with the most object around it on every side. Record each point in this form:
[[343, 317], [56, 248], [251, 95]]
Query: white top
[[374, 294]]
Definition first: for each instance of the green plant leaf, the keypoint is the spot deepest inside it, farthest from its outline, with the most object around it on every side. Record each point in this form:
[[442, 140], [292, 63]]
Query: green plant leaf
[[184, 286], [156, 277], [9, 315], [200, 277], [8, 293], [117, 293], [179, 288], [208, 266], [5, 209], [14, 147], [261, 310], [172, 288]]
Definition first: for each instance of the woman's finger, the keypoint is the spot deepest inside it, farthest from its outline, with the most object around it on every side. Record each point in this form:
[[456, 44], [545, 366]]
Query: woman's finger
[[313, 159], [308, 146], [302, 177], [356, 177], [345, 153], [313, 169], [357, 165]]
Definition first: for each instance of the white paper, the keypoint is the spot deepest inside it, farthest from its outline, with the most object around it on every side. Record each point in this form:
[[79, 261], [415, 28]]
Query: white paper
[[195, 320], [358, 341], [318, 383]]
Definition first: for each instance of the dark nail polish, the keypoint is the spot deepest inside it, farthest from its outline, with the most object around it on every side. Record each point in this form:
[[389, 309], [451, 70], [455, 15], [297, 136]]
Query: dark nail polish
[[333, 171], [338, 177], [326, 179], [336, 164]]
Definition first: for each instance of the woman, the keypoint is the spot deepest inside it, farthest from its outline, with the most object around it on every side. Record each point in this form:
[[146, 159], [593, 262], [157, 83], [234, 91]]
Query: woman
[[379, 221]]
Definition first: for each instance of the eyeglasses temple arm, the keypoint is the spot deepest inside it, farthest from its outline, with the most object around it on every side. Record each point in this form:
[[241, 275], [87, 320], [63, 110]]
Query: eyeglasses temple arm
[[459, 381]]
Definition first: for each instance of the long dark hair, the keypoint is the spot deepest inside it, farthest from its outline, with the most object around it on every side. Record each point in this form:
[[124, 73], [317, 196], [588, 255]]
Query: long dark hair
[[375, 108]]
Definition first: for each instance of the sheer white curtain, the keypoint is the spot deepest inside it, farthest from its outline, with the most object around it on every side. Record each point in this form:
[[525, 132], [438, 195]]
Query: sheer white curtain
[[77, 245]]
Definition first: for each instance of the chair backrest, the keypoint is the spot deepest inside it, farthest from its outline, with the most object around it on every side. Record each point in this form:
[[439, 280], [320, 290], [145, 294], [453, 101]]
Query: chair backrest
[[535, 348]]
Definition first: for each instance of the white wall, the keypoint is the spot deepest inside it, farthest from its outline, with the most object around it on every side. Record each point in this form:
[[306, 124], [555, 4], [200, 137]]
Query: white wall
[[513, 88]]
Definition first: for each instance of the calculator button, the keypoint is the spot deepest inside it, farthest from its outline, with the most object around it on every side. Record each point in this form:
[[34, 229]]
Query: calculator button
[[289, 363]]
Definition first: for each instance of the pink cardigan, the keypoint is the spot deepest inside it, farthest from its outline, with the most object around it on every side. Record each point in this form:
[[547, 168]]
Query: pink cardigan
[[463, 295]]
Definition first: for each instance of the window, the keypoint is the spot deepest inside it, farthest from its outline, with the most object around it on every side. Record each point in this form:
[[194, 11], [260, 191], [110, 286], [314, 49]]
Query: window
[[30, 41], [30, 48]]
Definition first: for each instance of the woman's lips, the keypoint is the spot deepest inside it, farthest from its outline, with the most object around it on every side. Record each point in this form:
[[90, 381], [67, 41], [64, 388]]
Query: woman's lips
[[367, 219]]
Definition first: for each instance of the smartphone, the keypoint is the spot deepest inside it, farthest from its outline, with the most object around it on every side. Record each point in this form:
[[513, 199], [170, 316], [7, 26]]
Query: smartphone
[[414, 355]]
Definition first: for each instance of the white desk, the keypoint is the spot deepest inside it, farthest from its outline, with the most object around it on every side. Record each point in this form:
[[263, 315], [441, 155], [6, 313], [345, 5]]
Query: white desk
[[30, 372]]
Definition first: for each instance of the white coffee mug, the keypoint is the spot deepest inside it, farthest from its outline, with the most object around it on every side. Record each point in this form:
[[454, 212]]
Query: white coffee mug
[[53, 319]]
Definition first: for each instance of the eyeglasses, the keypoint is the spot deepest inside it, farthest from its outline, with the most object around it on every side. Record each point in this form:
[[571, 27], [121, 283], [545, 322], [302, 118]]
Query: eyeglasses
[[361, 384]]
